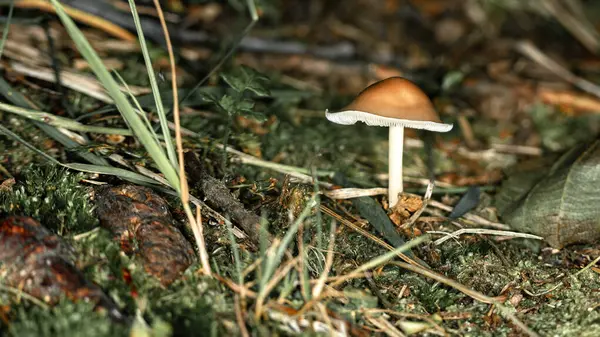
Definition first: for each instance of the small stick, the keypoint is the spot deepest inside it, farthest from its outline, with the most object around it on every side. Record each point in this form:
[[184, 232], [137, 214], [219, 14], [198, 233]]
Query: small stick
[[462, 231], [239, 317]]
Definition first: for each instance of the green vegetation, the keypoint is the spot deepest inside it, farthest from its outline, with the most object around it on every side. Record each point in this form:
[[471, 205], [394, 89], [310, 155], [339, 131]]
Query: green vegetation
[[292, 285]]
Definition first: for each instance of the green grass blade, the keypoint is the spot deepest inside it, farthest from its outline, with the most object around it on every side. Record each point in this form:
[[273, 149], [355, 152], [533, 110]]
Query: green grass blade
[[57, 121], [154, 85], [16, 137], [236, 254], [113, 171], [101, 169], [140, 111], [124, 106], [7, 26]]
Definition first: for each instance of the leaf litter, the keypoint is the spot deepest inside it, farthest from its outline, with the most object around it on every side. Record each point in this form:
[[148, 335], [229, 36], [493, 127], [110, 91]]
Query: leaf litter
[[510, 106]]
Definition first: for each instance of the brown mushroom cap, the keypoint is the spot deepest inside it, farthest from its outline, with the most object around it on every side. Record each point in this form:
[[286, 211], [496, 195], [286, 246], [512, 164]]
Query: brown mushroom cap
[[392, 102]]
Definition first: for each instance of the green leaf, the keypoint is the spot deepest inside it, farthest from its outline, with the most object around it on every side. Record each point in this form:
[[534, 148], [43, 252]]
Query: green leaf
[[244, 78], [562, 204], [257, 116], [245, 105], [228, 104]]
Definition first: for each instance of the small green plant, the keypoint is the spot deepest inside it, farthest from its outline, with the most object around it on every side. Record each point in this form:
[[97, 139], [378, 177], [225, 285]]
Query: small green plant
[[52, 195], [244, 82]]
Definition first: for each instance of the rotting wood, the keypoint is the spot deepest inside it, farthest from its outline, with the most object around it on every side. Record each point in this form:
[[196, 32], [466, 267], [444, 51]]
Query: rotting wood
[[217, 195]]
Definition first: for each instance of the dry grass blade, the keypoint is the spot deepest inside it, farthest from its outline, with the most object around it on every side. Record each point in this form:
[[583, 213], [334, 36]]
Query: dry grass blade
[[467, 291], [385, 326], [273, 281], [381, 259], [316, 292], [183, 185], [199, 237], [366, 234], [528, 49], [72, 80], [88, 19], [239, 317], [571, 15], [7, 26], [462, 231]]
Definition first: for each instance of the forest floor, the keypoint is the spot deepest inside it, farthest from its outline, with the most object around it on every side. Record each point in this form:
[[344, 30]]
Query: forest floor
[[288, 253]]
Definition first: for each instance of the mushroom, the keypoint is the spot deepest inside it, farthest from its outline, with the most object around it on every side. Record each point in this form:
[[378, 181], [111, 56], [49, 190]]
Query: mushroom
[[396, 103]]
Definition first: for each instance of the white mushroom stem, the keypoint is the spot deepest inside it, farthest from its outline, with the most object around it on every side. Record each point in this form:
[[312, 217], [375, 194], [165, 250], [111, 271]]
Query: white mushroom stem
[[396, 149]]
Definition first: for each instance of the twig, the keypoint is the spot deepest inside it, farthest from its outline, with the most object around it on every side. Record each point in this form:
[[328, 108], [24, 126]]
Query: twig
[[349, 193], [418, 213], [72, 80], [79, 15], [239, 317], [21, 294], [218, 195], [570, 14], [485, 231], [366, 234], [519, 149], [528, 49], [234, 286]]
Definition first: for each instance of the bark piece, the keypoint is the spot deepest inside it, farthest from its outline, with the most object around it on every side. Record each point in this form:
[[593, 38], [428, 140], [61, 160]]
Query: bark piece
[[40, 263], [218, 195], [141, 221]]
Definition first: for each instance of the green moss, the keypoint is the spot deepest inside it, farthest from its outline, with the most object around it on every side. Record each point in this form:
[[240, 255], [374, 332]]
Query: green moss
[[65, 319], [186, 306], [53, 196]]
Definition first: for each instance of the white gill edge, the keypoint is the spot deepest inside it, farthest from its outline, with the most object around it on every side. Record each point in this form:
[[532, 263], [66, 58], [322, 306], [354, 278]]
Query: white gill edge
[[349, 117]]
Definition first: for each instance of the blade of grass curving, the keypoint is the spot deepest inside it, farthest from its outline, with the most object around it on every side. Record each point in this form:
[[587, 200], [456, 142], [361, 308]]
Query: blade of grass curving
[[16, 137], [183, 184], [254, 19], [108, 170], [112, 171], [57, 121], [124, 106], [236, 255], [154, 85], [140, 111], [7, 26]]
